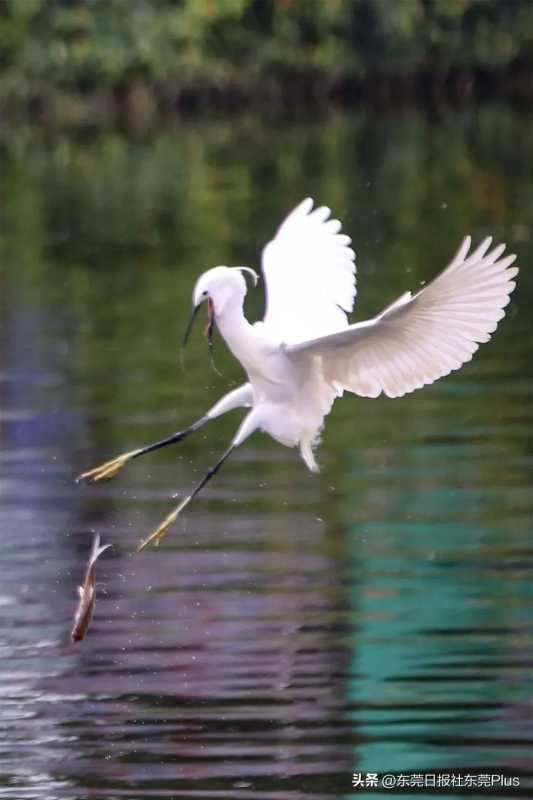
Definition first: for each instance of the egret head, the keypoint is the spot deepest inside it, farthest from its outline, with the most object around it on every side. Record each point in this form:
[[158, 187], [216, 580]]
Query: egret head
[[218, 286]]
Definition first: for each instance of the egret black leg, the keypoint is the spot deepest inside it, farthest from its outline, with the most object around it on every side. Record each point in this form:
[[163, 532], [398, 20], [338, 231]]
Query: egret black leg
[[179, 436], [237, 398], [110, 468], [158, 534], [207, 477], [250, 423]]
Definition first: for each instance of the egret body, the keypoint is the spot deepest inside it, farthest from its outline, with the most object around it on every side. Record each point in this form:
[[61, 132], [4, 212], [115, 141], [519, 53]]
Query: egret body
[[305, 353]]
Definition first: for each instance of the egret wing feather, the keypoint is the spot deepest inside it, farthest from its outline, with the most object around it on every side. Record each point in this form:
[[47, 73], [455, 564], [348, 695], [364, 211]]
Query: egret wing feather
[[309, 274], [422, 337]]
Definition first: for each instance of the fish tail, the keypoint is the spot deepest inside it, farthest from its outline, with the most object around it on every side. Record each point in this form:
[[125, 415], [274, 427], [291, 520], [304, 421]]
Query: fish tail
[[97, 549]]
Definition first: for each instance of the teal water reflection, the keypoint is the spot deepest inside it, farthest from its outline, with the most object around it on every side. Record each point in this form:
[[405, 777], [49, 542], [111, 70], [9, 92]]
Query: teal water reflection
[[295, 628]]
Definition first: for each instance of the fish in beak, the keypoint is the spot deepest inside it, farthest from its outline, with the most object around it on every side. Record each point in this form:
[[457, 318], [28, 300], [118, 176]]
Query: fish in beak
[[208, 330]]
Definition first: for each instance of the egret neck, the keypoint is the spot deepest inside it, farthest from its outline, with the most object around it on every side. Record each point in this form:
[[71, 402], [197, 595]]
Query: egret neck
[[239, 335]]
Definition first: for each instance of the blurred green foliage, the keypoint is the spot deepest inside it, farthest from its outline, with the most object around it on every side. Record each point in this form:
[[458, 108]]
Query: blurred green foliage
[[80, 45]]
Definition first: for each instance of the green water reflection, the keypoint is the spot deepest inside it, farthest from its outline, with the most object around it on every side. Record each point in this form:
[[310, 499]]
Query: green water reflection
[[425, 501]]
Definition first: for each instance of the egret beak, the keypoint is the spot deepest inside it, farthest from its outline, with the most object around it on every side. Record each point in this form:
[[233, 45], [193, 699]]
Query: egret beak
[[190, 324], [208, 331]]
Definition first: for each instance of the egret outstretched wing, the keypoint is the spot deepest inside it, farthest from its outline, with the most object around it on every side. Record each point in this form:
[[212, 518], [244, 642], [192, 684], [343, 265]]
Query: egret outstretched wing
[[309, 274], [421, 337]]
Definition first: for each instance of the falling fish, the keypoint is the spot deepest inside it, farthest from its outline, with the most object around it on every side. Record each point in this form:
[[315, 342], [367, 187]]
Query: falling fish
[[87, 593]]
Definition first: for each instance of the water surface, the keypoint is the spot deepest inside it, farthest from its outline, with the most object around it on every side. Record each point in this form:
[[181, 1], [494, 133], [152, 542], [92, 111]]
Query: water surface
[[293, 628]]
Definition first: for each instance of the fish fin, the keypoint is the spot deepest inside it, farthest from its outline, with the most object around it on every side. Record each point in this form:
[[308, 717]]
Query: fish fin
[[80, 591]]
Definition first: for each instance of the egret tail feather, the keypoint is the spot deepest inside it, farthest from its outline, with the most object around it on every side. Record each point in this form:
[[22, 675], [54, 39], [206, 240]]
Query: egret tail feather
[[307, 445]]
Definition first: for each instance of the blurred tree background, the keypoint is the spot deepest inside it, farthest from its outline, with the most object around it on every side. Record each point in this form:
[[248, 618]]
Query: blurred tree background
[[183, 52]]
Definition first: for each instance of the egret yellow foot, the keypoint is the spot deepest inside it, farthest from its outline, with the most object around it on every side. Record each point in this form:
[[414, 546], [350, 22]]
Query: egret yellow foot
[[107, 470], [158, 534]]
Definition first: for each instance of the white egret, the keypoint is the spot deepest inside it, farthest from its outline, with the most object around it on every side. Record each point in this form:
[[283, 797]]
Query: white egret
[[305, 354]]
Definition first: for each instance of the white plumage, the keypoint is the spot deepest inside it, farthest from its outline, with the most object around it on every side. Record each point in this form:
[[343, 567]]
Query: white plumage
[[304, 353], [309, 274], [425, 336]]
